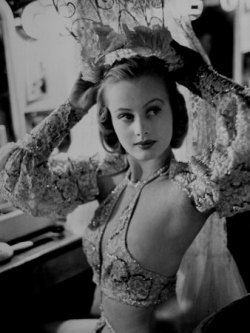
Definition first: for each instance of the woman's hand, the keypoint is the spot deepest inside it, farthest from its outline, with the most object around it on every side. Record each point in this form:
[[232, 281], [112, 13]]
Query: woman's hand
[[184, 63], [83, 94]]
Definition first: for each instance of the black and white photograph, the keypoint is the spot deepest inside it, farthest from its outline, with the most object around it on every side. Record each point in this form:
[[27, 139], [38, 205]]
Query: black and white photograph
[[124, 166]]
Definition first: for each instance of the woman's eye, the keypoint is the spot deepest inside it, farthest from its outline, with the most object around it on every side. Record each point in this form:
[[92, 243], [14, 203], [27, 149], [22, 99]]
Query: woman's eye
[[125, 116], [153, 111]]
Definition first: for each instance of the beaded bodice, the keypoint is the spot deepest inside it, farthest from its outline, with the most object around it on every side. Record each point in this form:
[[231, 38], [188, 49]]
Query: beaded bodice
[[119, 274]]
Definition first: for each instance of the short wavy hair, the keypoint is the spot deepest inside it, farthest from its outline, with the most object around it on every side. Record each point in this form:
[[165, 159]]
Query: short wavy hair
[[133, 68]]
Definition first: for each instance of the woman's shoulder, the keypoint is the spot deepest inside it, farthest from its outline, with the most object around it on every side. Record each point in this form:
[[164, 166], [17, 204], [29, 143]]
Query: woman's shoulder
[[193, 178], [178, 192], [179, 217], [169, 198], [177, 195]]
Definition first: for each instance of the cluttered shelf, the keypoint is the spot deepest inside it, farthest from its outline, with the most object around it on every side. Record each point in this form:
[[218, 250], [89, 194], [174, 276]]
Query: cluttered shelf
[[63, 243], [50, 262]]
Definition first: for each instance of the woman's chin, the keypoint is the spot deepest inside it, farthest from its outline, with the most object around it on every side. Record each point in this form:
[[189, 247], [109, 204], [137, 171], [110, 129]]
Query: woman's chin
[[150, 154], [145, 156]]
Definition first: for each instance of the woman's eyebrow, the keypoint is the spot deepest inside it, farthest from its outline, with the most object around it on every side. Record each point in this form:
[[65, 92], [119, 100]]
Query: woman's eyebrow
[[157, 99], [123, 110]]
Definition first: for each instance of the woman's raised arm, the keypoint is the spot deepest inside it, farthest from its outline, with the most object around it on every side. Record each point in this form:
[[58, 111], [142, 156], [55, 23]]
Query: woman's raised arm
[[220, 177], [41, 185]]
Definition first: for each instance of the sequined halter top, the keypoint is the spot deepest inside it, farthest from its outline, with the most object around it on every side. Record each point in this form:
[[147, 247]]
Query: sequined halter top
[[119, 274]]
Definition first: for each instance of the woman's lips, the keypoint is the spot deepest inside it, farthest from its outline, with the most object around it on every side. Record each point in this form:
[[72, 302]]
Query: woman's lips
[[145, 144]]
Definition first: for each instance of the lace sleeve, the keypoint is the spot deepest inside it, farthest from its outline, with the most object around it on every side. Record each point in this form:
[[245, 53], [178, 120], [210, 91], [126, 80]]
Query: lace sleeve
[[39, 184], [112, 164], [219, 178], [211, 86]]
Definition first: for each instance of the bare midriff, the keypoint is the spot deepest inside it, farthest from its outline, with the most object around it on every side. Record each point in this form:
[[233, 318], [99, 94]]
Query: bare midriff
[[125, 318]]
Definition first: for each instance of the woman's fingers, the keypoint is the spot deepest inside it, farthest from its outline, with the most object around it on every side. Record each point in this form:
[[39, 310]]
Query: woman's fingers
[[83, 94], [88, 99]]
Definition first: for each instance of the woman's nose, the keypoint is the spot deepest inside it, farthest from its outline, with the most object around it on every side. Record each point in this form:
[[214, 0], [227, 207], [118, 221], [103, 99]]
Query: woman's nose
[[141, 128]]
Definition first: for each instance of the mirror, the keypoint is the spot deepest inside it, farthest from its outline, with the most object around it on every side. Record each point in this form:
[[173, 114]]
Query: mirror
[[41, 64]]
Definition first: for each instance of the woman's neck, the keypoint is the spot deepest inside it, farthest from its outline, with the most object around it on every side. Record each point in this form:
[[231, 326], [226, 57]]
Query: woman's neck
[[141, 170]]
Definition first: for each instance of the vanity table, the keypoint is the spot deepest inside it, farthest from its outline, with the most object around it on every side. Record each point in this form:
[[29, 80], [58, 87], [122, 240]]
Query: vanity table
[[43, 266], [45, 283]]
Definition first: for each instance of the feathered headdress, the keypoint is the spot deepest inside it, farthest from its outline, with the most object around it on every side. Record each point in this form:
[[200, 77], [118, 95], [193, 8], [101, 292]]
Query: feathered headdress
[[109, 30]]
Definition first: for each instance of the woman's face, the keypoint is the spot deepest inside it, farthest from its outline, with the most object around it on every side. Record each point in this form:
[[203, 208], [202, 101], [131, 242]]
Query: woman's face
[[141, 116]]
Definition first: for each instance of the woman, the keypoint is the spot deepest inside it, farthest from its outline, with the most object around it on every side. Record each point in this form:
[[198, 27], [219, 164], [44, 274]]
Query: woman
[[151, 207]]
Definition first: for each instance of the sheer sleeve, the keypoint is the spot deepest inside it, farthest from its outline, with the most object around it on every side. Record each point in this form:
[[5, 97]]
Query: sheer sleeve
[[219, 178], [41, 184]]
